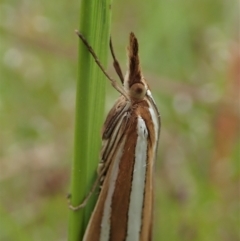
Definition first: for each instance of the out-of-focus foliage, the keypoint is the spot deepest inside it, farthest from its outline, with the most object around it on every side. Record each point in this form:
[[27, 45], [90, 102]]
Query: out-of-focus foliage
[[190, 56]]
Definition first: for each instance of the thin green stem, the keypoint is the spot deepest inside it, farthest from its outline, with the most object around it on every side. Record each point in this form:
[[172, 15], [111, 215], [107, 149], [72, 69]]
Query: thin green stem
[[95, 26]]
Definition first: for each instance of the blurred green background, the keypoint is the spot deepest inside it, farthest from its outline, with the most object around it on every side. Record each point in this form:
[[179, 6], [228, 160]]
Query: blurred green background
[[190, 55]]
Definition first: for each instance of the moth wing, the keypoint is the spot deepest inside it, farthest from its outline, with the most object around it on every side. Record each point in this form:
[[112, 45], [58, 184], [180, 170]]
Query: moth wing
[[113, 130], [119, 108]]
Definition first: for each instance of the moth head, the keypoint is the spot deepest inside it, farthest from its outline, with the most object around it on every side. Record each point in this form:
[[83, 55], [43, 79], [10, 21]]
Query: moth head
[[134, 82], [137, 91]]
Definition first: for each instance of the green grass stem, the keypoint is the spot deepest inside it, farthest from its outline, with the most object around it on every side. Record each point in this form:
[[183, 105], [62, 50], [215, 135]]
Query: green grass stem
[[95, 26]]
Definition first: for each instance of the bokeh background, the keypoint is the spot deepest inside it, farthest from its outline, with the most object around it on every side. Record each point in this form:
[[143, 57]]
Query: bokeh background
[[190, 56]]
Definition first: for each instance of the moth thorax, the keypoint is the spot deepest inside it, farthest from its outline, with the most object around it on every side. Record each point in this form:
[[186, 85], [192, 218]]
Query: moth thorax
[[137, 91]]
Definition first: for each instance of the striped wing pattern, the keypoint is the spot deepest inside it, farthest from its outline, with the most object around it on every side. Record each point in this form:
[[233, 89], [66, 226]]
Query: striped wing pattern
[[130, 137]]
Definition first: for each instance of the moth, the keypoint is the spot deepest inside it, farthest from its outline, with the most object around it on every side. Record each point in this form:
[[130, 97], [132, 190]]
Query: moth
[[124, 209]]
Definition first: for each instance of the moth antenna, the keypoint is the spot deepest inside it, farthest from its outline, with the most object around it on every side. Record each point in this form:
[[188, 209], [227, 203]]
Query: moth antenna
[[113, 82]]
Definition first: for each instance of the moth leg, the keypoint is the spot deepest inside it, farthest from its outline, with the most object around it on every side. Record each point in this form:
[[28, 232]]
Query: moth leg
[[100, 177], [85, 201], [116, 65]]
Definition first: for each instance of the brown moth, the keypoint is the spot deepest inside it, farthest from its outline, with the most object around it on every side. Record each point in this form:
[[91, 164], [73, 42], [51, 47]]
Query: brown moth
[[124, 209]]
